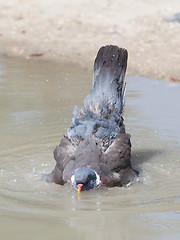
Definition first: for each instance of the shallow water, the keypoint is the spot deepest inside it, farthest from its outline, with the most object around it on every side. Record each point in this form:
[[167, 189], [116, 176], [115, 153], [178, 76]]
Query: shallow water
[[36, 99]]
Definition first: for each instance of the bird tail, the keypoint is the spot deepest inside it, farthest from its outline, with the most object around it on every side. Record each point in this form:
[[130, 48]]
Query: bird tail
[[103, 107], [108, 88]]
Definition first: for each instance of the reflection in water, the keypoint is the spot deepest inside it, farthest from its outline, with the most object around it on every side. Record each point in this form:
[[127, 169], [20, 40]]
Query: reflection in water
[[36, 100]]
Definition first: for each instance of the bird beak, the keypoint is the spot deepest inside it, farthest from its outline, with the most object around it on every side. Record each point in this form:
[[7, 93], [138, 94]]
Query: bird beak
[[79, 187]]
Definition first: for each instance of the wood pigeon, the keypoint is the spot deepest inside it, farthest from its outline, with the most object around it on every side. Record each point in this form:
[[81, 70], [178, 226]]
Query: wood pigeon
[[97, 150]]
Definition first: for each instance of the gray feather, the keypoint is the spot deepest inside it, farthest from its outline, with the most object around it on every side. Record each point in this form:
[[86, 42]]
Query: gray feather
[[101, 113]]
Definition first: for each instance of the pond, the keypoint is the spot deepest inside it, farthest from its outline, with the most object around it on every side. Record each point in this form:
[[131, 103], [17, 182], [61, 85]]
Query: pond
[[36, 100]]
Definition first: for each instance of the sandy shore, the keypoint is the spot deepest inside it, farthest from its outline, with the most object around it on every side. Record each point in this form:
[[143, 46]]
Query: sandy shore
[[73, 31]]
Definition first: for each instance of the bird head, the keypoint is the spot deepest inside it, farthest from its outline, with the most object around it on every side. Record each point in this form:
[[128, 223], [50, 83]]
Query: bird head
[[84, 179]]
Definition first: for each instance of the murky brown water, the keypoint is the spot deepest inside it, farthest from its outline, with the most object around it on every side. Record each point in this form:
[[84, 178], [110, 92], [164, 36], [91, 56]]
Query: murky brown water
[[36, 100]]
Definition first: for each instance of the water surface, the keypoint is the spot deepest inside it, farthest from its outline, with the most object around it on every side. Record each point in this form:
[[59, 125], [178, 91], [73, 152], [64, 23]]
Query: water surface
[[36, 102]]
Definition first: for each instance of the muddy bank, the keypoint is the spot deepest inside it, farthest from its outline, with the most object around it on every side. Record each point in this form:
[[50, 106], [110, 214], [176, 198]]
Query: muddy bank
[[73, 32]]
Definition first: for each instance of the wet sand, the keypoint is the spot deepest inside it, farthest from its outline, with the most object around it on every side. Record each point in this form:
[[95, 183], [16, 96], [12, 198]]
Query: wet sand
[[73, 31]]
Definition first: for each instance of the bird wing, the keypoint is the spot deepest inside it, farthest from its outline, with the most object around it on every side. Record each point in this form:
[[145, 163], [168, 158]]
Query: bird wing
[[117, 158], [118, 155], [63, 154]]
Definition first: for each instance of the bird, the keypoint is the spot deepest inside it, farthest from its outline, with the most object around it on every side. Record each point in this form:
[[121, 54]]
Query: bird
[[96, 151]]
